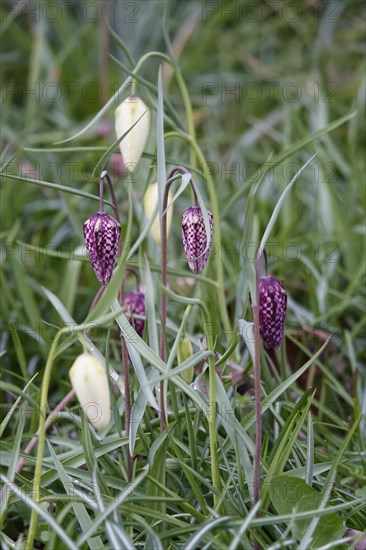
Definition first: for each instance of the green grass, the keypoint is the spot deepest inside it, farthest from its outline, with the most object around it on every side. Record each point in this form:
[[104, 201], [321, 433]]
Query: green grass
[[253, 92]]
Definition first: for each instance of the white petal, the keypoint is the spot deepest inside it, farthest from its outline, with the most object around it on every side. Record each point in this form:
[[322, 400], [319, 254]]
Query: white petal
[[150, 204], [89, 380], [126, 115]]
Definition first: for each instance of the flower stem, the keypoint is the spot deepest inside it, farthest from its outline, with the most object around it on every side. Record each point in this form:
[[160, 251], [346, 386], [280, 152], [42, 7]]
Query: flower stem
[[212, 193], [216, 231], [265, 262], [211, 416], [257, 385], [124, 352], [41, 438], [170, 180], [211, 413]]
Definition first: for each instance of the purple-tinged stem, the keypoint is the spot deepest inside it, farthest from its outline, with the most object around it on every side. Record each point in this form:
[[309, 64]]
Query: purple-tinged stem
[[257, 387], [124, 352], [265, 263]]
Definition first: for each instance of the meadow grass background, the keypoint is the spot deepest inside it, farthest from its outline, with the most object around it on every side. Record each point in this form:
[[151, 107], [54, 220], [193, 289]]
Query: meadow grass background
[[267, 84]]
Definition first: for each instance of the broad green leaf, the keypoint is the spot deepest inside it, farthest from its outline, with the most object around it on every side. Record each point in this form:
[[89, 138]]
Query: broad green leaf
[[290, 495]]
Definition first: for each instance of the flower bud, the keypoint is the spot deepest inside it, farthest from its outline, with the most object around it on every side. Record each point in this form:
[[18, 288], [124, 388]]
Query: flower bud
[[150, 204], [101, 235], [126, 115], [272, 311], [194, 238], [89, 380], [135, 302], [184, 352]]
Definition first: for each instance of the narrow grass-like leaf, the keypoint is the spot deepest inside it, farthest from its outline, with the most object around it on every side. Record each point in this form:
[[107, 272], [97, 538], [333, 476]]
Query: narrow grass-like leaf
[[14, 406], [77, 459], [246, 523], [246, 330], [157, 461], [197, 491], [30, 503], [80, 511], [150, 309], [285, 443], [153, 540], [161, 169], [186, 178], [59, 254], [56, 187], [310, 452], [190, 362], [104, 109], [328, 486], [280, 203], [153, 358], [90, 458], [285, 518], [239, 438], [193, 543], [109, 152], [274, 395], [298, 145], [12, 466], [16, 446], [141, 376], [138, 411], [19, 350], [26, 294]]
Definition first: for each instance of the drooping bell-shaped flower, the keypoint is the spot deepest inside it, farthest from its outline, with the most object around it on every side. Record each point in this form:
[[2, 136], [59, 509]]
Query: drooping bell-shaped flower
[[272, 311], [195, 239], [131, 111], [150, 205], [135, 302], [90, 383], [101, 235]]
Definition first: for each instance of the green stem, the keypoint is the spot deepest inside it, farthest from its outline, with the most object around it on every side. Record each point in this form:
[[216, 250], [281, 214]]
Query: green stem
[[41, 438], [216, 230], [211, 415], [196, 151], [170, 180], [189, 112]]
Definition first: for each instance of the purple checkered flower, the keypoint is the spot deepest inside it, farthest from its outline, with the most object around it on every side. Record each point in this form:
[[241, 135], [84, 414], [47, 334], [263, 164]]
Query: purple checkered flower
[[135, 302], [194, 238], [272, 311], [101, 235]]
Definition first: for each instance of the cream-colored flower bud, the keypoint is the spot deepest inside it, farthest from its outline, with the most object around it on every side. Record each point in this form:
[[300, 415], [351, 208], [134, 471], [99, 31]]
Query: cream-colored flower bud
[[150, 204], [126, 115], [184, 352], [89, 380]]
